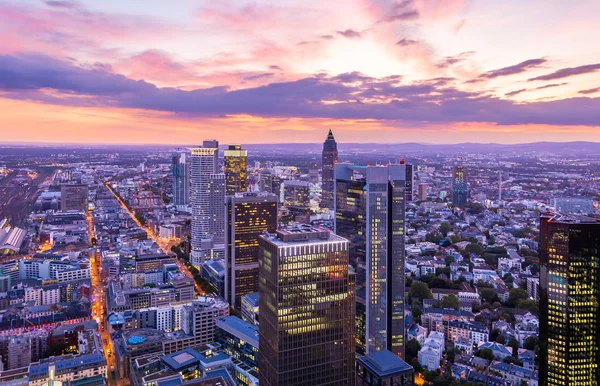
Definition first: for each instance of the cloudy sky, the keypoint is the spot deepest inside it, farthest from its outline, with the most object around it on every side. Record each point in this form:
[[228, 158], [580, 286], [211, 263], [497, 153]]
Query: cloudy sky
[[176, 72]]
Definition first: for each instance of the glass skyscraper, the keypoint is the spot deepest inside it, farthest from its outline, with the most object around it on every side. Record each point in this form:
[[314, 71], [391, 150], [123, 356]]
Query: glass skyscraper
[[306, 331], [208, 204], [248, 216], [460, 188], [330, 158], [569, 298], [370, 212], [236, 164], [181, 178]]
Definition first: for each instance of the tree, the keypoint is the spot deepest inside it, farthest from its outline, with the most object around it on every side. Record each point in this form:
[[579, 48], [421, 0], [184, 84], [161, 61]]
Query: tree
[[474, 248], [512, 342], [455, 239], [500, 339], [416, 313], [420, 290], [451, 354], [449, 260], [441, 381], [516, 294], [512, 359], [445, 228], [529, 305], [531, 342], [140, 217], [451, 301], [488, 295], [412, 350], [494, 335], [485, 353]]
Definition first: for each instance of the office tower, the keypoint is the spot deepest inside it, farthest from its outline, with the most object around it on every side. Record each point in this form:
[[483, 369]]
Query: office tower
[[296, 194], [5, 281], [370, 203], [248, 216], [181, 178], [569, 295], [460, 189], [409, 180], [270, 182], [573, 205], [73, 197], [422, 193], [236, 164], [330, 158], [383, 368], [306, 330], [313, 172], [208, 203]]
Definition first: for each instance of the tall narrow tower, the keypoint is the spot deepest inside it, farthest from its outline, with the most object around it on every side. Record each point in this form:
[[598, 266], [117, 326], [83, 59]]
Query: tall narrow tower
[[208, 203], [370, 212], [460, 188], [330, 158], [181, 178], [236, 164]]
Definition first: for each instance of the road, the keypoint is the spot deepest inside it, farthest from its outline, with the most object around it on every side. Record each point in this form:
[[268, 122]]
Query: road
[[165, 246]]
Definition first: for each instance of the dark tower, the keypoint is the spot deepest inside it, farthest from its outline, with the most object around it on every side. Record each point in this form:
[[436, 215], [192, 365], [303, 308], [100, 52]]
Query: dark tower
[[569, 297], [330, 158], [460, 189]]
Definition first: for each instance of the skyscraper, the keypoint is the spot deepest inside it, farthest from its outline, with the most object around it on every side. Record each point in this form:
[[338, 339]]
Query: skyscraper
[[236, 164], [422, 193], [208, 203], [569, 297], [460, 189], [330, 158], [409, 182], [181, 178], [369, 204], [306, 330], [248, 216]]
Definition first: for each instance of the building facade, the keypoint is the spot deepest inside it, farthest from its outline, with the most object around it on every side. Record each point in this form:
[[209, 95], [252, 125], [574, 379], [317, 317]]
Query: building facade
[[208, 204], [370, 206], [248, 216], [180, 168], [329, 159], [306, 330], [569, 294], [460, 189], [236, 165], [73, 197]]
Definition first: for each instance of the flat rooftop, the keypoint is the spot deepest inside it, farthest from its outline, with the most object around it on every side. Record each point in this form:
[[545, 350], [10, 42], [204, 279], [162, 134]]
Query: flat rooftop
[[385, 364], [302, 233]]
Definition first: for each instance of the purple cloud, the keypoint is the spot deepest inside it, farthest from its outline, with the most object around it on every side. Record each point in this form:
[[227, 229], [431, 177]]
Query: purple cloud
[[512, 70], [590, 91], [401, 16], [567, 72], [516, 92], [550, 86], [350, 34], [406, 42], [357, 96]]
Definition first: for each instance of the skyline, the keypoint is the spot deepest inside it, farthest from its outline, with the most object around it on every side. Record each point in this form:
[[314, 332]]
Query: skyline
[[407, 71]]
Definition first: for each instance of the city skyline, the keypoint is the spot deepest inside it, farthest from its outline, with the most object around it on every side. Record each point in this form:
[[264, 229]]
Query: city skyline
[[441, 72]]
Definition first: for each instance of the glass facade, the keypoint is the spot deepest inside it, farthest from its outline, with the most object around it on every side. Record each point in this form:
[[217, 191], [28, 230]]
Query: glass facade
[[460, 189], [236, 166], [370, 212], [569, 297], [248, 216], [181, 178], [329, 158], [307, 309]]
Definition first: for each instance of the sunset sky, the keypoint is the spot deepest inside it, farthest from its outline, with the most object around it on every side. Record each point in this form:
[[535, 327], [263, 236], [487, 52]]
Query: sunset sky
[[176, 72]]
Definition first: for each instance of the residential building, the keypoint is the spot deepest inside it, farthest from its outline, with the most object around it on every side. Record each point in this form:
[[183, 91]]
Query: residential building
[[74, 197]]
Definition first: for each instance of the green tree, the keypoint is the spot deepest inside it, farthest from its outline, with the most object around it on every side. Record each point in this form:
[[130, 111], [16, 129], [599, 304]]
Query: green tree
[[140, 217], [451, 301], [420, 290], [512, 342], [474, 248], [488, 295], [494, 335], [485, 353], [531, 342], [529, 305], [412, 349], [513, 360], [516, 294], [500, 339], [416, 313], [445, 228], [455, 239]]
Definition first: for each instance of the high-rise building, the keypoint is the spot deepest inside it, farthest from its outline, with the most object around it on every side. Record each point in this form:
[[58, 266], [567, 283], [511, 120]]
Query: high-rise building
[[370, 205], [330, 158], [422, 193], [270, 182], [248, 216], [208, 204], [73, 197], [236, 164], [306, 330], [460, 189], [181, 178], [569, 295], [409, 180], [296, 194]]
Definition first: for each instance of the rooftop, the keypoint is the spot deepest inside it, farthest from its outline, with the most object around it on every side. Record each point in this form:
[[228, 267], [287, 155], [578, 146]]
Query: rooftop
[[385, 363]]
